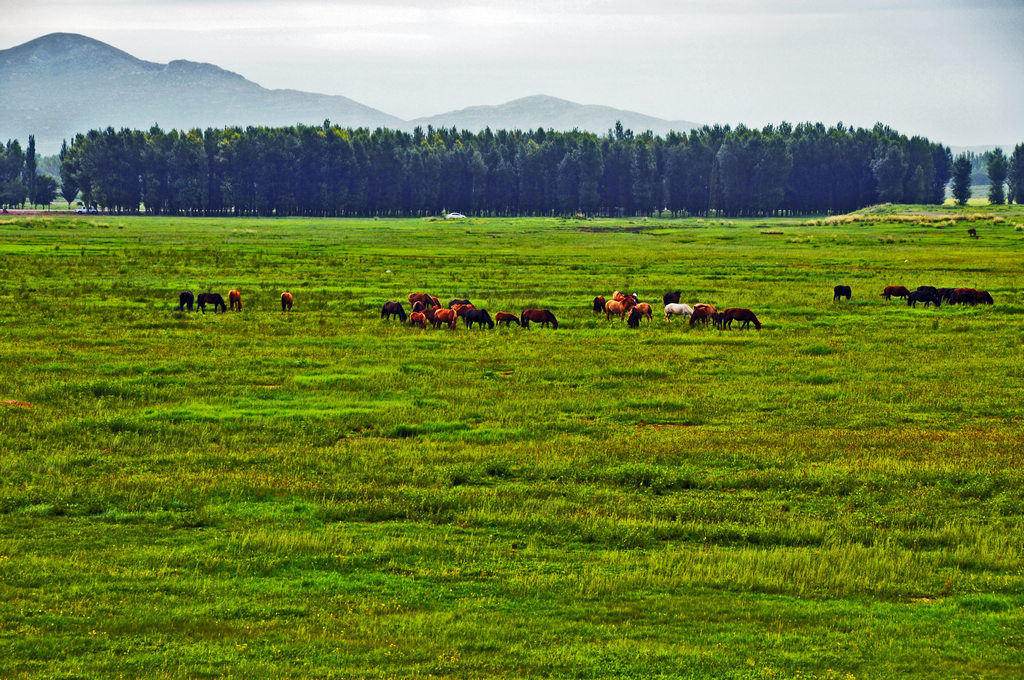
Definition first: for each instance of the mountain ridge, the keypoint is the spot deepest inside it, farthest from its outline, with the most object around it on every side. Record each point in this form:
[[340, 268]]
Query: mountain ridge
[[61, 84]]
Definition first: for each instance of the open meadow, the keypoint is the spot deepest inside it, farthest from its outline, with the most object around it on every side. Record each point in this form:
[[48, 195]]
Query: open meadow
[[326, 494]]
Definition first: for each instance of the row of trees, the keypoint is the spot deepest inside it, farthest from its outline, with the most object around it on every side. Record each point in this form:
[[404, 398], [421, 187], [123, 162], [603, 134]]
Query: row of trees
[[20, 178], [331, 171], [1005, 175]]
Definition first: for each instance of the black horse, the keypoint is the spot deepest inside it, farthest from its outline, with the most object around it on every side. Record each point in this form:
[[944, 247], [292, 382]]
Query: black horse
[[672, 297], [841, 291], [480, 316], [925, 294], [392, 308], [185, 299], [215, 299], [945, 293]]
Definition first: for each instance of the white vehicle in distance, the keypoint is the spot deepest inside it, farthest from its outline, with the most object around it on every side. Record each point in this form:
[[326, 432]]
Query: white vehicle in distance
[[455, 216]]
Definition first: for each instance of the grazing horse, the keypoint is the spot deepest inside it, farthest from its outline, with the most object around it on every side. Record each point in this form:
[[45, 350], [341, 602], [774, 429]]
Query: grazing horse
[[925, 294], [718, 320], [645, 310], [701, 314], [478, 316], [739, 314], [945, 294], [458, 301], [235, 298], [972, 232], [429, 313], [541, 316], [185, 299], [507, 319], [426, 299], [286, 302], [634, 317], [392, 308], [671, 298], [599, 303], [895, 291], [418, 306], [418, 319], [619, 297], [677, 310], [841, 291], [447, 316], [214, 299], [618, 307], [982, 297]]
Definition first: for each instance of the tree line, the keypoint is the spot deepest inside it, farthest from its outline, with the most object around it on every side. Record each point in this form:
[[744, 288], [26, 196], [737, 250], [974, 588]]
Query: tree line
[[332, 171]]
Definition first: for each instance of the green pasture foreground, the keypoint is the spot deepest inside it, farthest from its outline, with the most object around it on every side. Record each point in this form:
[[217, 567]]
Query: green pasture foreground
[[325, 494]]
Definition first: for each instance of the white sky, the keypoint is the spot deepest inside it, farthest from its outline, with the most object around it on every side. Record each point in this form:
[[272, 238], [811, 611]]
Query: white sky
[[948, 69]]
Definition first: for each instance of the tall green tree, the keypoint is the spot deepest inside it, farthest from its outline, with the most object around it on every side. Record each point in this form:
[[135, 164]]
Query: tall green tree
[[12, 164], [1015, 175], [997, 170], [962, 179], [68, 185], [31, 169]]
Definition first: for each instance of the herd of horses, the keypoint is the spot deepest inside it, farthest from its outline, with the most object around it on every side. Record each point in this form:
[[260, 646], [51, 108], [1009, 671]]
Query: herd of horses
[[630, 308], [186, 300], [930, 295], [427, 309]]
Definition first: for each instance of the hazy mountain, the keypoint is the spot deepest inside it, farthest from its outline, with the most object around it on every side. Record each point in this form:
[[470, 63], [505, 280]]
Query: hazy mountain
[[63, 83], [530, 113]]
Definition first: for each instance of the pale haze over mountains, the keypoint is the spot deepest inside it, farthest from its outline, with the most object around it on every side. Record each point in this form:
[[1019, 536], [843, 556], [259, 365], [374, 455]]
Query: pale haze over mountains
[[61, 84]]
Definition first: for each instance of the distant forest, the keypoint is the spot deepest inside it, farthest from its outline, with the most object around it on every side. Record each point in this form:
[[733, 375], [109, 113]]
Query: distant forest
[[332, 171]]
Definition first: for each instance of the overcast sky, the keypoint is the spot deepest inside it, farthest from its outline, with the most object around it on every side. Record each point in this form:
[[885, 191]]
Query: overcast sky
[[951, 70]]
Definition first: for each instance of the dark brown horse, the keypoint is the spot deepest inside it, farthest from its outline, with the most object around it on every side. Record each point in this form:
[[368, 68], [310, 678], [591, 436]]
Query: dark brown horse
[[507, 319], [235, 300], [701, 314], [633, 321], [671, 298], [541, 316], [841, 291], [286, 301], [478, 316], [185, 299], [895, 291], [458, 301], [215, 299], [739, 314], [392, 308], [599, 303]]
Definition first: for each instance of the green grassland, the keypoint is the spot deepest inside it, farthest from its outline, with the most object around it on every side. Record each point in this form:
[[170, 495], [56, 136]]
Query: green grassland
[[326, 494]]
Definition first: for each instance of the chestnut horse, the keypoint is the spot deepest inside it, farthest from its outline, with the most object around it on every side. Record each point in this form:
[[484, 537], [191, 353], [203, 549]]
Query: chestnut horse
[[426, 299], [458, 301], [645, 310], [599, 303], [541, 316], [286, 301], [507, 319], [235, 298], [448, 316], [392, 308], [739, 314], [701, 314], [418, 319], [618, 307]]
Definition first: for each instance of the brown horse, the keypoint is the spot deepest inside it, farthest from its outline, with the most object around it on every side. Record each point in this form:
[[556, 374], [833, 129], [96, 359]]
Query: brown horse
[[418, 319], [235, 298], [541, 316], [458, 301], [507, 319], [214, 299], [644, 309], [286, 301], [392, 308], [701, 314], [895, 291], [618, 307], [739, 314], [426, 299], [448, 316], [599, 303]]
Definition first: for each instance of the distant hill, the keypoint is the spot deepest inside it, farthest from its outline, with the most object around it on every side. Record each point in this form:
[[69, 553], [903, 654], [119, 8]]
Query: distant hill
[[64, 83], [530, 113]]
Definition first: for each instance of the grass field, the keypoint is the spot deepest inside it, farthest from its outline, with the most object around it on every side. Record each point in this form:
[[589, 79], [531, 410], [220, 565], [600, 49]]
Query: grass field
[[325, 494]]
